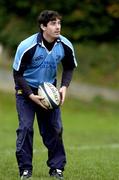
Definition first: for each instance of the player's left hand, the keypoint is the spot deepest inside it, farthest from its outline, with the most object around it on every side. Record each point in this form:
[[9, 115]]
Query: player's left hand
[[62, 92]]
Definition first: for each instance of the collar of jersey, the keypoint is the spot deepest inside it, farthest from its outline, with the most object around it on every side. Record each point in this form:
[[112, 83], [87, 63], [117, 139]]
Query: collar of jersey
[[39, 39]]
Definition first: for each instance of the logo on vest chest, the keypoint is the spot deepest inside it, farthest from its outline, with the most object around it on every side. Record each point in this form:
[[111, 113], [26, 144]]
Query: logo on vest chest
[[48, 64], [36, 61]]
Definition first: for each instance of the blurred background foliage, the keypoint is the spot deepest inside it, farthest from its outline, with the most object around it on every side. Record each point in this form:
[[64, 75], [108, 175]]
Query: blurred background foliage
[[92, 26], [82, 20]]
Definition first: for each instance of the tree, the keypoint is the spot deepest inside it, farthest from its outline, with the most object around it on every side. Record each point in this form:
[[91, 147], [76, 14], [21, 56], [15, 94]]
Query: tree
[[82, 19]]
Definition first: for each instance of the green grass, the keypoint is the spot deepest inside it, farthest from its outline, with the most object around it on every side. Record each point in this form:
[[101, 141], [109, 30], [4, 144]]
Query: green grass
[[91, 138], [98, 63]]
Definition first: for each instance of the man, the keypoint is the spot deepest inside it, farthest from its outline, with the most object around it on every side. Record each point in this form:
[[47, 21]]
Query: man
[[36, 62]]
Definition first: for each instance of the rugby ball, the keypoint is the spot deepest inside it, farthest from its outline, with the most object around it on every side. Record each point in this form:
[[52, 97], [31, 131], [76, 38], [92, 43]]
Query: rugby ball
[[50, 95]]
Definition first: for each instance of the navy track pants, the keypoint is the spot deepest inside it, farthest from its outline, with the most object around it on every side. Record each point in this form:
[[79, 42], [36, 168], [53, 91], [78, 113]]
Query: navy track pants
[[50, 128]]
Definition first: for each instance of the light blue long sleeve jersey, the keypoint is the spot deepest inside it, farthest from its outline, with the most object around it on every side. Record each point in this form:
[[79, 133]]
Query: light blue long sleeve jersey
[[41, 63]]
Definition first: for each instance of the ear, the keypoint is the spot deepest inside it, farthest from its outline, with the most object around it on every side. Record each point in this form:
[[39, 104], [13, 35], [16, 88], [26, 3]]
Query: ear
[[43, 27]]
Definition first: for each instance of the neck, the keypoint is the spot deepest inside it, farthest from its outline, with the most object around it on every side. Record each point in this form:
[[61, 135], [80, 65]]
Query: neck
[[48, 39], [48, 45]]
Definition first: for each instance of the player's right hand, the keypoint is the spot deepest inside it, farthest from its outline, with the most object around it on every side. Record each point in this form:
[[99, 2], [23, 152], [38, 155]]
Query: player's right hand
[[37, 99]]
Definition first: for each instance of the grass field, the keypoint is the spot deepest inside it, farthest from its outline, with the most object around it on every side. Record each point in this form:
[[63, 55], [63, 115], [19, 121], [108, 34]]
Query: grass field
[[98, 63], [91, 137]]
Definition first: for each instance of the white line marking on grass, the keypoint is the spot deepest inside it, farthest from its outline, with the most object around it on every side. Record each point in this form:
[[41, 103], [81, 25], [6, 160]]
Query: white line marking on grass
[[71, 148], [93, 147]]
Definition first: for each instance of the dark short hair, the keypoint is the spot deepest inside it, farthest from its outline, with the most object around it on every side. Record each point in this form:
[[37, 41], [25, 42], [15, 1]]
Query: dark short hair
[[48, 15]]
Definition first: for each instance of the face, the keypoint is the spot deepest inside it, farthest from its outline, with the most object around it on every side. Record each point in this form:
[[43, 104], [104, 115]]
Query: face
[[52, 30]]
